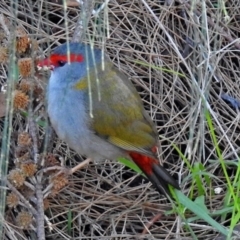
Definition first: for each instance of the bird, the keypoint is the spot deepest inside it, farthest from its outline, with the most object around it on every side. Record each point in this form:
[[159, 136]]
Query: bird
[[97, 111]]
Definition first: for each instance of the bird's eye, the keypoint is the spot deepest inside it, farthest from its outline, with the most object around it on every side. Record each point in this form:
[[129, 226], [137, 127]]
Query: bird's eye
[[61, 63]]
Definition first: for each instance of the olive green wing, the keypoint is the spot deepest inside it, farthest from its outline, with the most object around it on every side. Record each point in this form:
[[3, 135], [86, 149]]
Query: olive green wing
[[118, 113]]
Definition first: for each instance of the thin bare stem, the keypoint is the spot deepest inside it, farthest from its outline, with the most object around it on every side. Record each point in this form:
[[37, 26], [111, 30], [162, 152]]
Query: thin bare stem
[[81, 25]]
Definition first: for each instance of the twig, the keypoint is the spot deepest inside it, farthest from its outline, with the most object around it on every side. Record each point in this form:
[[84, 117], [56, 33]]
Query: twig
[[47, 190], [4, 26], [53, 168], [153, 220], [22, 198], [81, 25], [29, 185], [40, 210], [66, 171], [220, 29], [33, 132], [49, 224], [72, 3], [80, 165]]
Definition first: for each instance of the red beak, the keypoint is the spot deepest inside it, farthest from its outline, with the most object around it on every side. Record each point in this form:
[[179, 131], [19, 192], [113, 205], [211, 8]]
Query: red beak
[[45, 64]]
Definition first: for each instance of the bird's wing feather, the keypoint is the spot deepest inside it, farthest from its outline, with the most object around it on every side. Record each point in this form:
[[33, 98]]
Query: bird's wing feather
[[124, 121], [127, 146]]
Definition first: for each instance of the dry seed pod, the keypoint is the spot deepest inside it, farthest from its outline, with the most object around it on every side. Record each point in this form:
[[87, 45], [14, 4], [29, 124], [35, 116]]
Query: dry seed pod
[[20, 100], [28, 169], [22, 44], [38, 91], [16, 177], [25, 66], [25, 86], [24, 139], [3, 54], [46, 204], [59, 182], [12, 200], [50, 160], [24, 219], [22, 154], [22, 41], [34, 45], [27, 192]]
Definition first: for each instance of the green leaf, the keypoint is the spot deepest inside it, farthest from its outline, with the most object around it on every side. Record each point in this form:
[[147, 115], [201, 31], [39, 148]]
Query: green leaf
[[200, 210], [130, 164]]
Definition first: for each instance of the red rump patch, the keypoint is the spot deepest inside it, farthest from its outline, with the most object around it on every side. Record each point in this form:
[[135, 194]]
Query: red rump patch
[[144, 162]]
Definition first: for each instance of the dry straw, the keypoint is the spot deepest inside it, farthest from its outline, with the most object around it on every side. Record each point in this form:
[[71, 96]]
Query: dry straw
[[176, 54]]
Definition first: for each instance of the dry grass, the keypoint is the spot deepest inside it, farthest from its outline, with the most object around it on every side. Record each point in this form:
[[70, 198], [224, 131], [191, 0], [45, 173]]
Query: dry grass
[[177, 55]]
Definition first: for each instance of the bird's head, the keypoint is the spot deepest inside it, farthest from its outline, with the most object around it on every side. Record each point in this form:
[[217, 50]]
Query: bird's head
[[71, 61]]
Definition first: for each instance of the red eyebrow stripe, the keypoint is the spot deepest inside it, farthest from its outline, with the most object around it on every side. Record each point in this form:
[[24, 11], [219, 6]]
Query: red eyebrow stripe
[[54, 58]]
